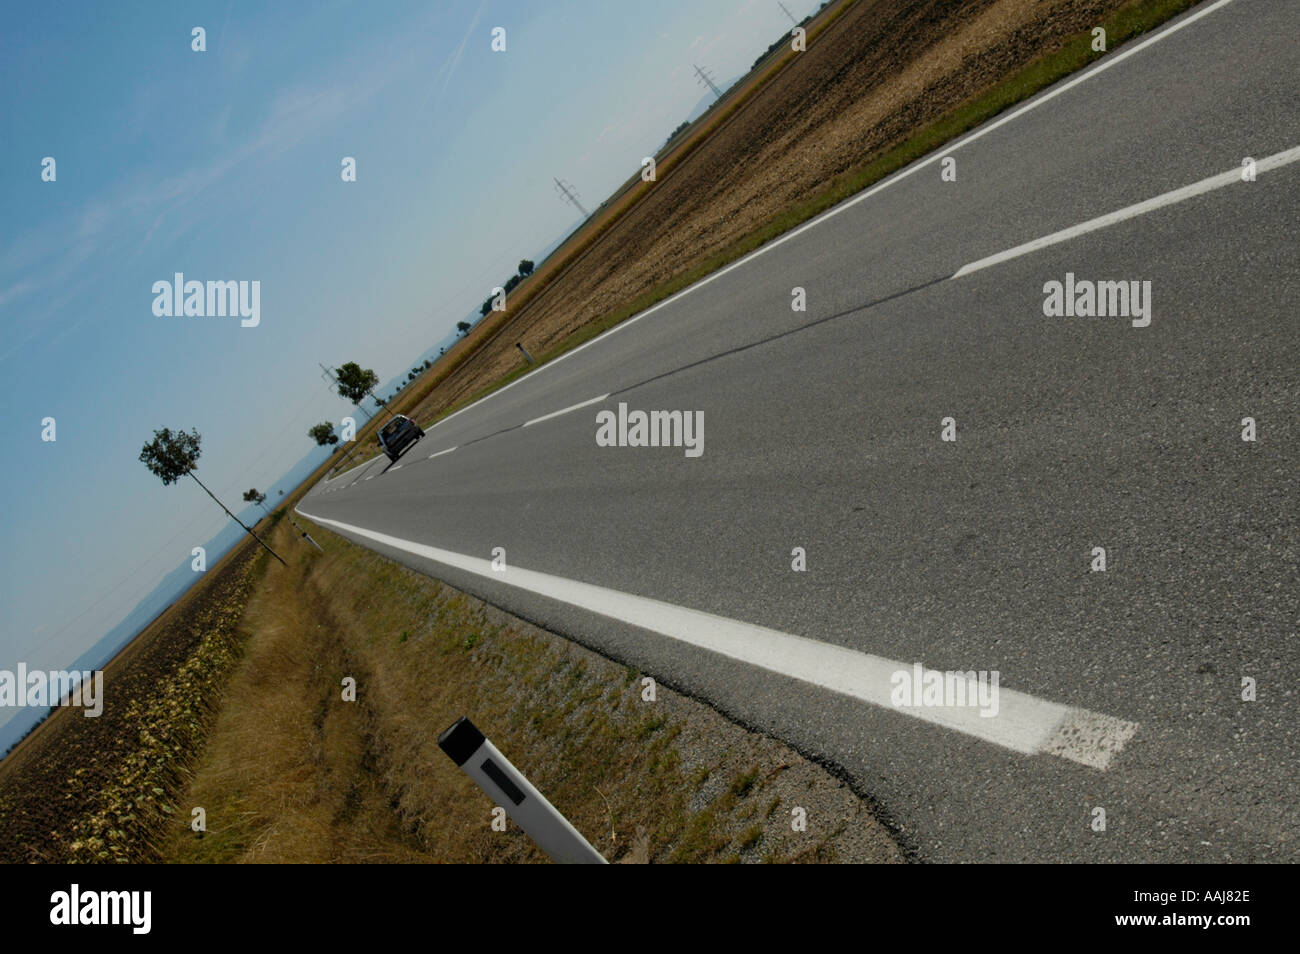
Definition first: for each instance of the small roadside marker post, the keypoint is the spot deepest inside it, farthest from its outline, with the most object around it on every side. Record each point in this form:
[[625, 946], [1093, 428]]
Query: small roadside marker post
[[507, 787], [306, 536], [520, 346]]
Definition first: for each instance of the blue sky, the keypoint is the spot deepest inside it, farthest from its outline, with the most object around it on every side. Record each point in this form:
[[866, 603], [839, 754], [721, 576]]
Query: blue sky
[[225, 165]]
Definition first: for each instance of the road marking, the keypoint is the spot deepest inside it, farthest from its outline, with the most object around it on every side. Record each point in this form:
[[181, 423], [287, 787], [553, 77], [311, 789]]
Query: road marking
[[441, 452], [1096, 69], [1023, 723], [393, 468], [351, 469], [547, 417], [371, 477], [1275, 161]]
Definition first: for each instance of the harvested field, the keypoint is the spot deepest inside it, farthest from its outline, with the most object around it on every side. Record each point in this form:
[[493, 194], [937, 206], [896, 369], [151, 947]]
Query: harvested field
[[80, 789], [875, 75]]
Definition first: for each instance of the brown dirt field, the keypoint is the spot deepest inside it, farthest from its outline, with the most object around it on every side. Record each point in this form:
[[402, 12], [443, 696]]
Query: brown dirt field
[[157, 628], [575, 247], [877, 73], [61, 776]]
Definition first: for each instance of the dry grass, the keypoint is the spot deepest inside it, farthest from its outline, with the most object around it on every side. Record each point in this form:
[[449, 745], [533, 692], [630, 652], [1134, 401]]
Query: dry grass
[[284, 777], [294, 774]]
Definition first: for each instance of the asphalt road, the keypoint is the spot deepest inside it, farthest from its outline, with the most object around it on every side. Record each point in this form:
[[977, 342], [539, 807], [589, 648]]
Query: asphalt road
[[822, 430]]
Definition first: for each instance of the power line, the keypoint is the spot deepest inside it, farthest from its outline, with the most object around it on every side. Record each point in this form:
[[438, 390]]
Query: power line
[[787, 12]]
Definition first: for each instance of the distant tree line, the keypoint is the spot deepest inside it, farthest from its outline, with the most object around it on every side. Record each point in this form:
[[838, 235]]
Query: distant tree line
[[417, 371], [785, 38], [525, 269]]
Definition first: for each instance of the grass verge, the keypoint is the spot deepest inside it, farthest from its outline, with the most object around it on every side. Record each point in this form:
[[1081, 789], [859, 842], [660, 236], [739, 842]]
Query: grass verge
[[293, 773]]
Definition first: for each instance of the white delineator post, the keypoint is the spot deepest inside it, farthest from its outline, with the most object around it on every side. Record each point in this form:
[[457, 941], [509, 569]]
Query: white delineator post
[[507, 787]]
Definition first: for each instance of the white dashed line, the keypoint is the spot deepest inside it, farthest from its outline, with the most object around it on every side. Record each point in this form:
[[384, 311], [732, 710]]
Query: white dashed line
[[441, 452], [1096, 69], [1275, 161], [574, 407]]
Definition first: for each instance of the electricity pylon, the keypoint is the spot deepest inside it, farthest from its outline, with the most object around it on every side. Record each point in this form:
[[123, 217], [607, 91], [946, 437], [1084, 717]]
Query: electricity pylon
[[571, 194], [708, 80]]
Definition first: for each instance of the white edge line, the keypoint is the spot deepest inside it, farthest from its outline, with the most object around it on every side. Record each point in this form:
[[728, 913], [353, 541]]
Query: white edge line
[[1114, 732], [1232, 176], [573, 407], [938, 153], [1022, 723]]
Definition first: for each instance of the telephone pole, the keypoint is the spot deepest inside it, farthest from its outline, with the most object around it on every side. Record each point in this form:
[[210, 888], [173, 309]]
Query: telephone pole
[[708, 80], [571, 194]]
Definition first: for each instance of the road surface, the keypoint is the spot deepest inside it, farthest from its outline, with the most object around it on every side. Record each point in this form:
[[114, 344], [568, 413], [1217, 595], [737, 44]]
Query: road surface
[[1119, 690]]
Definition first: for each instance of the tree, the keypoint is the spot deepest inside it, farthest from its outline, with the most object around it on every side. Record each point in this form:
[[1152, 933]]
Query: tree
[[323, 433], [525, 267], [483, 309], [463, 326], [171, 456], [356, 382], [252, 496]]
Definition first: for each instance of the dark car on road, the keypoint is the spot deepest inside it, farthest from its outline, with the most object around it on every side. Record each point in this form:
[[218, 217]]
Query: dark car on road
[[397, 435]]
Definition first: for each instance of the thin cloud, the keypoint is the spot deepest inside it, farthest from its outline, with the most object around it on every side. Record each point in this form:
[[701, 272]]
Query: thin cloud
[[48, 260], [15, 291], [442, 79]]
